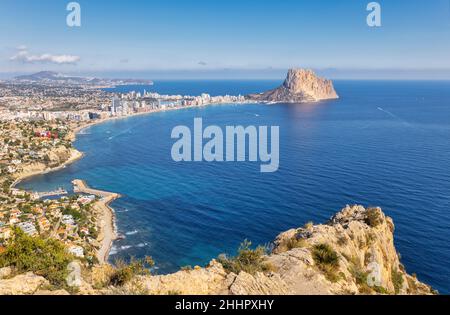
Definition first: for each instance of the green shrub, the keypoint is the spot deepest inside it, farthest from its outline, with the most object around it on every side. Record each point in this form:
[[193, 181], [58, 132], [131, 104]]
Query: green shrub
[[186, 268], [380, 290], [124, 272], [397, 280], [373, 217], [323, 254], [327, 261], [44, 257], [248, 260], [295, 243]]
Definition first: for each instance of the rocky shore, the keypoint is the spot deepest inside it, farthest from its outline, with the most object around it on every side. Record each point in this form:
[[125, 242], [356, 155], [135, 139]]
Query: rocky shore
[[352, 254], [59, 158]]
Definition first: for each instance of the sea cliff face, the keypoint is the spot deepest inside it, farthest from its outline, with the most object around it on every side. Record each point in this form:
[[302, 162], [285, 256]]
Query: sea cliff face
[[353, 253], [365, 262], [57, 158], [300, 86]]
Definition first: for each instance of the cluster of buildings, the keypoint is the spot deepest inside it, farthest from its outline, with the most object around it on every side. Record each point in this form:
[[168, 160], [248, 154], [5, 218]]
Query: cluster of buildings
[[36, 123], [23, 144], [135, 102], [50, 97], [69, 220], [33, 101], [74, 116]]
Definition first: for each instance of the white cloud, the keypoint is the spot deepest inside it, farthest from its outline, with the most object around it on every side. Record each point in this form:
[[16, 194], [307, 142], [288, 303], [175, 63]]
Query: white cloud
[[23, 55]]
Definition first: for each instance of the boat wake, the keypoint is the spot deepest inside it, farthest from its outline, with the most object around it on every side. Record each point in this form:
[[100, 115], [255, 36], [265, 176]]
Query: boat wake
[[394, 116]]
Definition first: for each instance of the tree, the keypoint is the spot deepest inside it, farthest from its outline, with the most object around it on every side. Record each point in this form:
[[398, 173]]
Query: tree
[[44, 257]]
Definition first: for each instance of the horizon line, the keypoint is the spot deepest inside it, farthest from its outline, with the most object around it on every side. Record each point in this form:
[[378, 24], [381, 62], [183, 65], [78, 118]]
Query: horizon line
[[425, 74]]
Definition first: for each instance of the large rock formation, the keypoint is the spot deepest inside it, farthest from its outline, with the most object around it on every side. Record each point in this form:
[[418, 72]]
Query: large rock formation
[[300, 86], [366, 263], [353, 253], [26, 284]]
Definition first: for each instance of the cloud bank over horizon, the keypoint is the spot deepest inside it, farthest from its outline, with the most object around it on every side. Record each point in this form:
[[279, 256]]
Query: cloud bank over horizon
[[24, 56]]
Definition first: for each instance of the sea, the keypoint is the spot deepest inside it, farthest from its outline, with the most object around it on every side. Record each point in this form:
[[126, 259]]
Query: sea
[[383, 143]]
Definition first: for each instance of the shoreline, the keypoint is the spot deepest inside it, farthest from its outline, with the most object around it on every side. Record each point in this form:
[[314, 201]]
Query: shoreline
[[107, 228], [75, 156]]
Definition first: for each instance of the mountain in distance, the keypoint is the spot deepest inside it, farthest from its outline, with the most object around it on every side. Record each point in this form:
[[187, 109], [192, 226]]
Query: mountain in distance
[[300, 86], [50, 77]]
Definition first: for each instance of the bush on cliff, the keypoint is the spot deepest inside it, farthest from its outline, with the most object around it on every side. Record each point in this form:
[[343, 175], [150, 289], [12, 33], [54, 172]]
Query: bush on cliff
[[44, 257], [373, 217], [327, 261], [124, 272], [248, 260], [397, 280]]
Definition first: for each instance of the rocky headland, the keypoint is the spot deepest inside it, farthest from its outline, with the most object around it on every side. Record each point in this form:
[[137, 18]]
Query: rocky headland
[[353, 253], [300, 86]]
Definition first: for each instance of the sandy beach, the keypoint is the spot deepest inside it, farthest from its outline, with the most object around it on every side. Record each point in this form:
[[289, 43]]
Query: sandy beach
[[106, 217]]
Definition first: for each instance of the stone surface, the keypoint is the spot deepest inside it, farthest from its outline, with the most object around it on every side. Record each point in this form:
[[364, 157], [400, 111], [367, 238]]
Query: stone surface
[[362, 240], [48, 292], [25, 284], [5, 272], [300, 86]]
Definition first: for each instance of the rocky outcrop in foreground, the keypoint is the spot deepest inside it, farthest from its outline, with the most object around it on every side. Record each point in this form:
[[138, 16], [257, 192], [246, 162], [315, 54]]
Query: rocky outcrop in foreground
[[353, 253], [300, 86]]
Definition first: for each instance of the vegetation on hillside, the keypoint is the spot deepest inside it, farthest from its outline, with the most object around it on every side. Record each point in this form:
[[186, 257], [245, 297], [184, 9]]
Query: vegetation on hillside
[[327, 261], [44, 257], [248, 260]]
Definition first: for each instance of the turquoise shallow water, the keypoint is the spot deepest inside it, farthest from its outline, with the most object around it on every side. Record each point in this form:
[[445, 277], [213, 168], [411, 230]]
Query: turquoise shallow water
[[382, 143]]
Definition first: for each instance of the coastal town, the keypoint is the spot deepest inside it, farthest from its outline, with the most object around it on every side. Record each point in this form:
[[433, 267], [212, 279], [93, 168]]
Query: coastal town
[[30, 147], [41, 100], [46, 236], [38, 123]]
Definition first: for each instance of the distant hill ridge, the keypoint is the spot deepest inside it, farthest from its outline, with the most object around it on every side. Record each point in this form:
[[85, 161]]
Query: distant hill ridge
[[55, 77]]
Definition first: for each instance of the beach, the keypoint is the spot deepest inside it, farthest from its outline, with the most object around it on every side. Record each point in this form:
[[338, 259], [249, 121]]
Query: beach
[[106, 217]]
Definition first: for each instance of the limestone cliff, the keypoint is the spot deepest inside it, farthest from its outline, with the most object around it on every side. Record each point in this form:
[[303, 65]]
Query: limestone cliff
[[353, 253], [300, 86], [57, 158]]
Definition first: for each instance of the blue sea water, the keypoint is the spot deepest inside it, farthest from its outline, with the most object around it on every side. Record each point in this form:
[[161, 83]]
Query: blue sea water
[[383, 143]]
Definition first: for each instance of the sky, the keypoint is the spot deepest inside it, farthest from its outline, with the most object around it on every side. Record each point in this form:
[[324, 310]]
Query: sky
[[226, 39]]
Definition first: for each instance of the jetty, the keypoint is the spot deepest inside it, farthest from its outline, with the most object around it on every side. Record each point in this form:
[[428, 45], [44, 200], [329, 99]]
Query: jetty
[[57, 192]]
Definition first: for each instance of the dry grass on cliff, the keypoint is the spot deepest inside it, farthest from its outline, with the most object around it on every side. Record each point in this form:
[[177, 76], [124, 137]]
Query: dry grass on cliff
[[124, 272], [327, 260], [248, 260]]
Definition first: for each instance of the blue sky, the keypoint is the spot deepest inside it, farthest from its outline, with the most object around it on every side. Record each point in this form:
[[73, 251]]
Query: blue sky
[[254, 38]]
